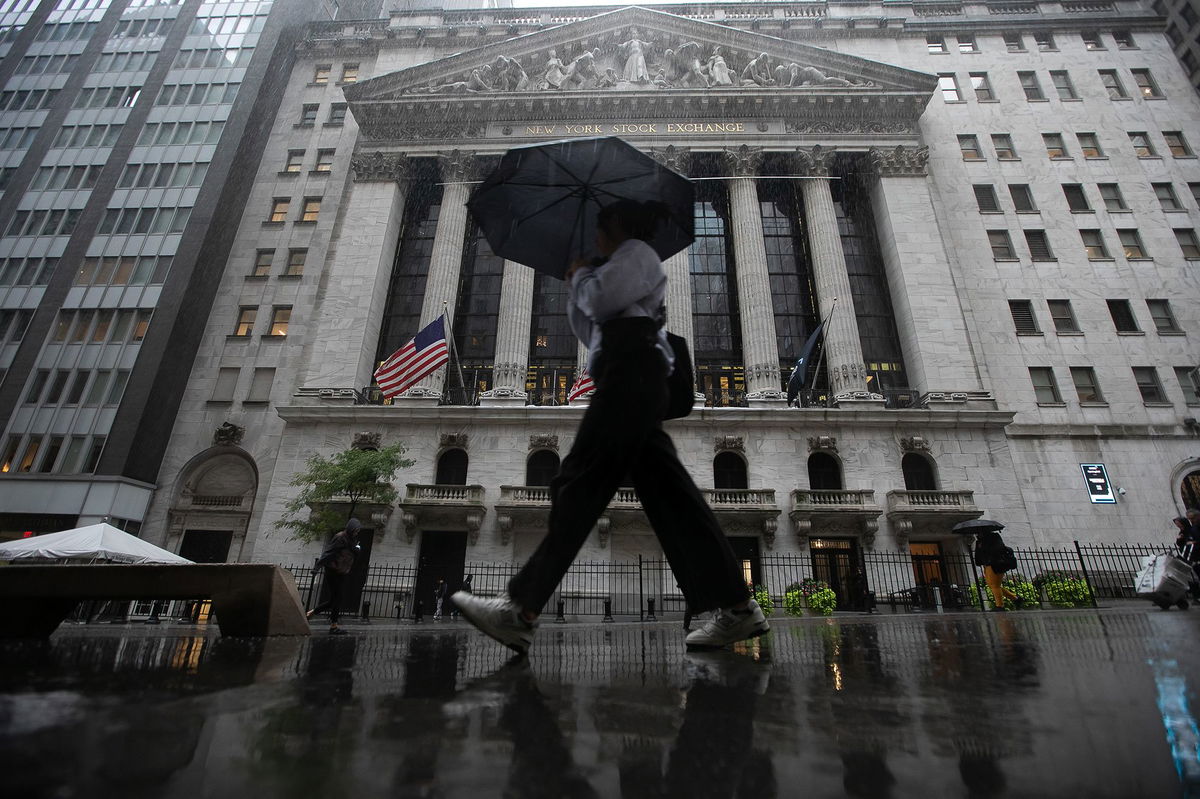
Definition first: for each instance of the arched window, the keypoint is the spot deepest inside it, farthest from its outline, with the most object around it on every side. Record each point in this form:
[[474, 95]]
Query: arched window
[[729, 471], [1189, 490], [541, 468], [452, 468], [918, 473], [824, 472]]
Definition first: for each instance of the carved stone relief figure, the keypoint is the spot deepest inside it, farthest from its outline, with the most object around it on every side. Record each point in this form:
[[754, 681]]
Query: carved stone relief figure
[[758, 72], [718, 70], [554, 72], [634, 50], [582, 71]]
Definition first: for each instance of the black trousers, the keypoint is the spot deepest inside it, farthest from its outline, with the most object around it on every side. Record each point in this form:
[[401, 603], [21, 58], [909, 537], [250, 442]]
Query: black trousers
[[333, 602], [622, 433]]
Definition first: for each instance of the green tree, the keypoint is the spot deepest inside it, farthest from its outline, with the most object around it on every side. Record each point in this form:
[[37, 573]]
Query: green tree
[[332, 489]]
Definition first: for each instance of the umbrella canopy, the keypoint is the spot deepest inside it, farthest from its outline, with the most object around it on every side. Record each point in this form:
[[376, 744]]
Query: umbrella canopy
[[973, 526], [538, 207], [94, 542]]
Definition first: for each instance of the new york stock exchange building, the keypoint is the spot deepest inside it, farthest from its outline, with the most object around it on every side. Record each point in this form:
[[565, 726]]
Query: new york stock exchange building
[[1000, 199]]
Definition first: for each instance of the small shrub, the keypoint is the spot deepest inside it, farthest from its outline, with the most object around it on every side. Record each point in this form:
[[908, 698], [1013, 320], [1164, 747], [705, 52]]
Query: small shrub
[[1064, 589], [763, 597], [1027, 593], [793, 602], [823, 601]]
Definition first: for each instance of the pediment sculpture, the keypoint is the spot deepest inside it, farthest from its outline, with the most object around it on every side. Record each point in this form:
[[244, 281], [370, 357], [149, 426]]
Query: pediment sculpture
[[639, 62]]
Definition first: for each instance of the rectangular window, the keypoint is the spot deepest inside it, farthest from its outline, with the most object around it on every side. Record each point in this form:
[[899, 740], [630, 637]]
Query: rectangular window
[[225, 385], [1029, 83], [312, 209], [93, 456], [1013, 43], [279, 209], [1089, 144], [99, 386], [1062, 84], [1122, 316], [1077, 200], [295, 265], [1055, 146], [982, 87], [966, 43], [281, 315], [969, 145], [1086, 387], [295, 159], [1002, 249], [1141, 145], [1093, 245], [1039, 245], [1194, 188], [948, 85], [324, 161], [337, 114], [1146, 378], [1188, 243], [1045, 388], [1131, 242], [262, 263], [1124, 40], [1167, 200], [140, 325], [1091, 40], [1111, 194], [1023, 318], [1177, 144], [1022, 197], [1063, 316], [75, 394], [985, 198], [35, 444], [57, 386], [1145, 83], [1112, 83], [321, 74], [245, 321], [1189, 381], [36, 386], [1164, 318], [1044, 41], [260, 385], [935, 44], [1005, 150], [308, 114], [349, 73]]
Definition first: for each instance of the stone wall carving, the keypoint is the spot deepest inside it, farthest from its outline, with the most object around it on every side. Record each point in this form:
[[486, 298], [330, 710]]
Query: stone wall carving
[[228, 435], [451, 440], [367, 441], [899, 162], [822, 444], [744, 161], [543, 441], [914, 444], [729, 444], [378, 166]]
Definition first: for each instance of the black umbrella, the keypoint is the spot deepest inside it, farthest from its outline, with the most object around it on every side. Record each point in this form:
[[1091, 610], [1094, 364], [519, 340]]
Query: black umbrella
[[538, 207], [974, 526]]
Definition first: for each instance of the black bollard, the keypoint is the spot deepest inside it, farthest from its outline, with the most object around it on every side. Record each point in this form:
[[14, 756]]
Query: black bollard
[[366, 610], [607, 610], [560, 614], [650, 610], [417, 611]]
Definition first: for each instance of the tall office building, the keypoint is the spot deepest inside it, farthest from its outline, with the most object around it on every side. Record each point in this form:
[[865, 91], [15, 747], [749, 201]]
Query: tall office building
[[127, 131], [1183, 32]]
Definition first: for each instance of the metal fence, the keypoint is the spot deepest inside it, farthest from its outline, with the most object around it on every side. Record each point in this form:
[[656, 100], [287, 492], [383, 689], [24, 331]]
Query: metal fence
[[864, 581]]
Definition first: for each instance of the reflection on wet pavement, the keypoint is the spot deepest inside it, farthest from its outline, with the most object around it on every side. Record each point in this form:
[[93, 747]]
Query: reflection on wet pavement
[[1049, 704]]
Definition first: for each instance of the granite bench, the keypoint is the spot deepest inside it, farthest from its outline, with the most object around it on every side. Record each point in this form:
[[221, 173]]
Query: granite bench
[[247, 598]]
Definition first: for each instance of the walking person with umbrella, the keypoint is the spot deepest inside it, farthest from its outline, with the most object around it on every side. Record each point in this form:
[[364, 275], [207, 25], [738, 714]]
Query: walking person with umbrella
[[993, 555], [616, 307]]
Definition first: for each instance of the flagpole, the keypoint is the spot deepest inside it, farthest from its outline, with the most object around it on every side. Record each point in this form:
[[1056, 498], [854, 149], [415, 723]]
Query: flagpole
[[462, 384], [821, 356]]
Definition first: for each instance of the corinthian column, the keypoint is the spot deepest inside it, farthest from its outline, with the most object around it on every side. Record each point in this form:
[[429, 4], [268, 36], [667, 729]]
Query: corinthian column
[[760, 352], [445, 261], [843, 350], [512, 338], [353, 289], [679, 273]]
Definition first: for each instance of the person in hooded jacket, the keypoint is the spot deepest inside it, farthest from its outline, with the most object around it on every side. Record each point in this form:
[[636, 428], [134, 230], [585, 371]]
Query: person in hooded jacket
[[995, 558], [337, 559]]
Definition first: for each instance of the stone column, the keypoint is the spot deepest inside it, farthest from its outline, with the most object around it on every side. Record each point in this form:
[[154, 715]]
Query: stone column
[[932, 323], [512, 338], [678, 266], [760, 351], [353, 290], [843, 351], [445, 261]]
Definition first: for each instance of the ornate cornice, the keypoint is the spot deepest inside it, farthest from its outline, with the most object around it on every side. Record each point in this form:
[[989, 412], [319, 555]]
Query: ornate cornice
[[379, 167], [899, 162], [742, 162], [814, 161]]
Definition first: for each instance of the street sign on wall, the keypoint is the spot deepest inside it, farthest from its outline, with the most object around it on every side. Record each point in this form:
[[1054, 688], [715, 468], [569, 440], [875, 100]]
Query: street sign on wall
[[1100, 490]]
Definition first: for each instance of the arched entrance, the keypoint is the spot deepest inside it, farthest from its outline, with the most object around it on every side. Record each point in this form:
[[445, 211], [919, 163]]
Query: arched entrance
[[211, 507]]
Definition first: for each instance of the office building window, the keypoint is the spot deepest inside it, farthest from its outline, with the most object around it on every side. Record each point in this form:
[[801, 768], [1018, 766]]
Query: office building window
[[1005, 150], [1023, 319], [1177, 145], [260, 385], [36, 386], [1164, 318], [337, 114], [985, 198], [1113, 199], [1093, 245], [1188, 243], [308, 114], [225, 385], [349, 73], [1122, 316], [1063, 316], [966, 43], [1189, 382], [245, 321], [1001, 244], [1022, 198], [1013, 43], [969, 145], [295, 159], [1089, 145], [1145, 83], [948, 85], [982, 87], [321, 74], [312, 209], [1062, 84], [1044, 41], [1029, 83], [295, 264], [1039, 245], [1151, 390], [279, 209], [1086, 387], [1131, 243], [281, 315], [324, 161], [1077, 200], [1045, 388], [1091, 40], [262, 263], [1194, 188], [1056, 147], [1124, 40], [935, 44], [1112, 84], [1167, 200]]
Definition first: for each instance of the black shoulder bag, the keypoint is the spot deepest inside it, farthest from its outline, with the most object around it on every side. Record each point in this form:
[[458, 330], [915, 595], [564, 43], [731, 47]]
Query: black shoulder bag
[[681, 383]]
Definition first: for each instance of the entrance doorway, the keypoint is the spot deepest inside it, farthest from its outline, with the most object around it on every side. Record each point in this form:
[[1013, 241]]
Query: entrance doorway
[[929, 572], [835, 562], [745, 550], [206, 546], [443, 556]]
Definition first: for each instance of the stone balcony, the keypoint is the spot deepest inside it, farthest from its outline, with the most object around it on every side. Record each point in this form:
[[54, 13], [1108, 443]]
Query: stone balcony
[[442, 507], [749, 510], [835, 512], [932, 511]]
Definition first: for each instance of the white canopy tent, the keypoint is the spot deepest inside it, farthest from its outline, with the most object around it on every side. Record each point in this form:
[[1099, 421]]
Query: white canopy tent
[[94, 542]]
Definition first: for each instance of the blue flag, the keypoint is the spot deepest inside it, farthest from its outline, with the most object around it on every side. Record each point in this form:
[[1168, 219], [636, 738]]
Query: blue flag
[[800, 372]]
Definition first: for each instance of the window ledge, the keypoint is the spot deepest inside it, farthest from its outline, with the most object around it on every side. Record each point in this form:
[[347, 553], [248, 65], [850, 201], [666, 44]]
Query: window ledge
[[236, 337], [1191, 257], [255, 402], [1101, 260], [1093, 404], [1069, 332], [1052, 404], [305, 223], [1184, 157], [286, 276], [1044, 260], [1084, 211], [1131, 332], [304, 125], [345, 83], [1154, 97], [955, 102], [1119, 210], [334, 125], [321, 172], [998, 158], [1159, 404], [1095, 158], [1120, 99], [1034, 211], [269, 337], [219, 403], [1039, 100], [1192, 404], [974, 160], [1061, 158], [1174, 210], [269, 223], [987, 101], [1027, 333], [256, 278], [1071, 99], [992, 213], [1171, 333], [288, 172], [1008, 260], [1149, 157], [313, 83], [1142, 258]]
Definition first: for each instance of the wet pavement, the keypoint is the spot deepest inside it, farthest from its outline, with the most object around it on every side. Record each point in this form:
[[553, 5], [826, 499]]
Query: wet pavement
[[1041, 704]]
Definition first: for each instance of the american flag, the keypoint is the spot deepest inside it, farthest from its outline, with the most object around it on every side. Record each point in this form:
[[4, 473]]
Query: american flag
[[416, 359], [582, 386]]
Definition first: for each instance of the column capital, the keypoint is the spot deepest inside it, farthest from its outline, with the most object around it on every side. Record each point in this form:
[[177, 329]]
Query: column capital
[[898, 162], [814, 161], [458, 165], [742, 162], [678, 159], [379, 167]]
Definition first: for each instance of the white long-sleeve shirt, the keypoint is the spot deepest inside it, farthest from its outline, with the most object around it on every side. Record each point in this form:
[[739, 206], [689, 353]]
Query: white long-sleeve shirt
[[632, 283]]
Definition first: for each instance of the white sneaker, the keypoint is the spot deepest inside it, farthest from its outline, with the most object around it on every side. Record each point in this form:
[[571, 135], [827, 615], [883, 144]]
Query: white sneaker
[[498, 618], [728, 626]]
